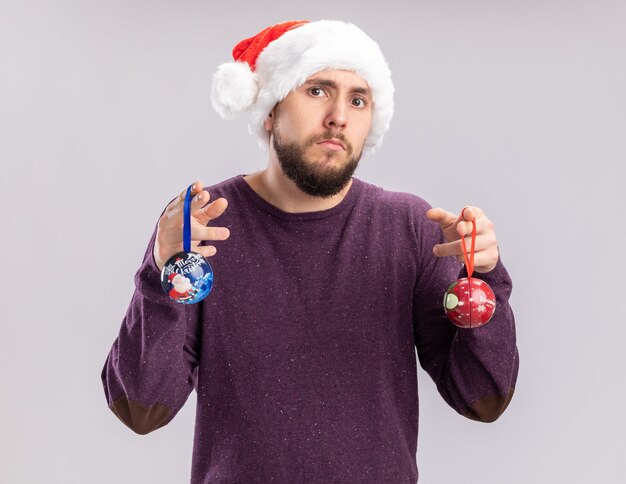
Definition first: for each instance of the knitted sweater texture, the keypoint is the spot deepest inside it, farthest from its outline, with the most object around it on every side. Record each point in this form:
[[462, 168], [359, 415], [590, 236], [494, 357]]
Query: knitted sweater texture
[[303, 356]]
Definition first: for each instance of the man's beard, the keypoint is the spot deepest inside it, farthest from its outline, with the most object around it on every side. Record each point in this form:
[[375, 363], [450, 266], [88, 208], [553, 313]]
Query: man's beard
[[308, 177]]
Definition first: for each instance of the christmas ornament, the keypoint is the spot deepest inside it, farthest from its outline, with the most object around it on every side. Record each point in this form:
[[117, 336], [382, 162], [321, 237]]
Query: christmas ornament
[[469, 302], [187, 277]]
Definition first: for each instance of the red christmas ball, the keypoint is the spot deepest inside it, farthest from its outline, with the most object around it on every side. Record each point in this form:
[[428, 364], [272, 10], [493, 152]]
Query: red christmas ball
[[469, 302]]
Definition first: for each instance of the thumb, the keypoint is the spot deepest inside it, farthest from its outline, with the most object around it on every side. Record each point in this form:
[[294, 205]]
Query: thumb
[[442, 217]]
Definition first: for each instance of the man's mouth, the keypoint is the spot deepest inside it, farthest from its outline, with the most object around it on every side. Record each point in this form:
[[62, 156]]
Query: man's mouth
[[332, 144]]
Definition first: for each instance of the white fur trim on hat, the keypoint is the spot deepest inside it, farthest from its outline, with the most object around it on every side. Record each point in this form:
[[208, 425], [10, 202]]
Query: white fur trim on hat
[[287, 62]]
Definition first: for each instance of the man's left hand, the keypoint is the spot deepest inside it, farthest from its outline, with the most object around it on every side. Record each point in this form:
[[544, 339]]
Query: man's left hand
[[455, 226]]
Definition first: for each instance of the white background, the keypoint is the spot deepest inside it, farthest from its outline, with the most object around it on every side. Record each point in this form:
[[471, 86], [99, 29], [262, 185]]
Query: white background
[[518, 107]]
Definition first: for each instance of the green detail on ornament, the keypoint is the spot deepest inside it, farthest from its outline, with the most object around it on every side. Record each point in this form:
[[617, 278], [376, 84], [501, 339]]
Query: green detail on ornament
[[450, 301], [451, 286]]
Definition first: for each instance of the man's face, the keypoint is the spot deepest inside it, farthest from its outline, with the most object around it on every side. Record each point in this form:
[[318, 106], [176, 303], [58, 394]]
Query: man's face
[[319, 129]]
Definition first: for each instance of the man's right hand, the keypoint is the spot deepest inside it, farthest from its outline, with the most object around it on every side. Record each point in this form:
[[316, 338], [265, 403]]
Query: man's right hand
[[169, 237]]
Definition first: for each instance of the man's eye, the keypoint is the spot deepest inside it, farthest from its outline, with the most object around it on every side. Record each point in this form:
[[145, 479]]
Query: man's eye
[[358, 102], [316, 91]]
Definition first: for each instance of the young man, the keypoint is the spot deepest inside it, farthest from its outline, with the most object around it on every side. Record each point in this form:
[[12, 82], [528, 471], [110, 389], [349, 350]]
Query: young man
[[303, 355]]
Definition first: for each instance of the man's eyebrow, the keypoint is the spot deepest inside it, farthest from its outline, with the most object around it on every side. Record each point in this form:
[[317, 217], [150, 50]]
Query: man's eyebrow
[[319, 81], [362, 90]]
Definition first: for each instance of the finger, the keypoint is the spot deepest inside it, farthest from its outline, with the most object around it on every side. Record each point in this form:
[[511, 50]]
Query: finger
[[486, 260], [456, 248], [199, 232], [465, 228], [471, 213], [441, 216], [200, 201], [178, 202], [195, 188], [483, 225], [206, 250], [211, 211]]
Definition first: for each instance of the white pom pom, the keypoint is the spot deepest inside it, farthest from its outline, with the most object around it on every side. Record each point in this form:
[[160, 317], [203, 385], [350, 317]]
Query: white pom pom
[[234, 89]]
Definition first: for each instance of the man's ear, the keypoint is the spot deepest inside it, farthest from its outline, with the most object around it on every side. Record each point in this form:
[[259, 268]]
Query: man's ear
[[268, 124]]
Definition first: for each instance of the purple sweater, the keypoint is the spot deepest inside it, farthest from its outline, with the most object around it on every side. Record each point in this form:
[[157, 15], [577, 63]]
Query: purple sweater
[[303, 355]]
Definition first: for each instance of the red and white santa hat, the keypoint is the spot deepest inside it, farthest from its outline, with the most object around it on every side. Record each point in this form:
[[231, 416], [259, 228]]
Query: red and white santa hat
[[280, 58]]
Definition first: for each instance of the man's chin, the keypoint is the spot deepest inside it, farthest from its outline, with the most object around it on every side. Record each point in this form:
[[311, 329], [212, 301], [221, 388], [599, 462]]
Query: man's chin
[[317, 171], [325, 157], [325, 181]]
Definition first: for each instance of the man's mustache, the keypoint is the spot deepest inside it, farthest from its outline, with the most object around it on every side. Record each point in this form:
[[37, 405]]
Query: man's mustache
[[328, 135]]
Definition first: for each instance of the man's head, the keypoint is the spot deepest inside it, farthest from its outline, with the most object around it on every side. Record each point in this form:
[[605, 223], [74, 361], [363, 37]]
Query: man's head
[[275, 63], [318, 131]]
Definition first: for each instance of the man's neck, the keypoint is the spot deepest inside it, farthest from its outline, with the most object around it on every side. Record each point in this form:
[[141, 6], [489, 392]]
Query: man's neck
[[275, 188]]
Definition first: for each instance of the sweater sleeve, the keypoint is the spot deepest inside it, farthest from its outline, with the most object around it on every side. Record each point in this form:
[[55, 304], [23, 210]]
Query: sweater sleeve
[[475, 370], [152, 366]]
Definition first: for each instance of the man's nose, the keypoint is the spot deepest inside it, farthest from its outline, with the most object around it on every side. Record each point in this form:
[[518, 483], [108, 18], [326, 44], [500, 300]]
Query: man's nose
[[336, 116]]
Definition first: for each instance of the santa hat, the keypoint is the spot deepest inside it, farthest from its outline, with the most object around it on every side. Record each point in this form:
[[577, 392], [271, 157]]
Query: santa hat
[[279, 59]]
